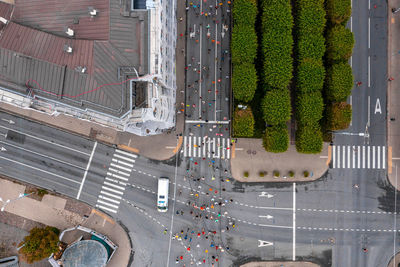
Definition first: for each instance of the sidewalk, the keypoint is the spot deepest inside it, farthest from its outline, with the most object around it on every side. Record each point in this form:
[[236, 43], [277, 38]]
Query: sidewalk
[[393, 94], [64, 213], [248, 155]]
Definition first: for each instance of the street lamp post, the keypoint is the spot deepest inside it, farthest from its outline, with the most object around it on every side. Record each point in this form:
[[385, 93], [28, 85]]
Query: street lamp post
[[8, 201]]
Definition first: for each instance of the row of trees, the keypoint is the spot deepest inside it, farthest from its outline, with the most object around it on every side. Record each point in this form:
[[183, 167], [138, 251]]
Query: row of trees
[[339, 78], [310, 70], [244, 51], [276, 48]]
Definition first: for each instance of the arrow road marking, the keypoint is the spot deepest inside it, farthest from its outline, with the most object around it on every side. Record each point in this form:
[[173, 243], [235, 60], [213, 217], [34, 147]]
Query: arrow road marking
[[266, 216], [9, 121], [262, 243], [265, 194]]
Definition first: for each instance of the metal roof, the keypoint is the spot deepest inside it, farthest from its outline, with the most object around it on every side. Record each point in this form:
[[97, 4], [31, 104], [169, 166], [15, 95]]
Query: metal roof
[[85, 253]]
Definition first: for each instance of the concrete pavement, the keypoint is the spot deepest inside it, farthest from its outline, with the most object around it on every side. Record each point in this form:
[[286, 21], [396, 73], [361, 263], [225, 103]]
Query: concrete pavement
[[250, 156], [53, 211]]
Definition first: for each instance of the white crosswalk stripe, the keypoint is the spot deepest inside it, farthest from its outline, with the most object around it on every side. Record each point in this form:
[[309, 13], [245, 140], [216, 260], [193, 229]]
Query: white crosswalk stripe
[[115, 183], [358, 157], [206, 147]]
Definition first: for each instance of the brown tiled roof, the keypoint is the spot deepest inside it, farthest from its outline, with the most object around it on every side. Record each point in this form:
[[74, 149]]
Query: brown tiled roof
[[53, 15]]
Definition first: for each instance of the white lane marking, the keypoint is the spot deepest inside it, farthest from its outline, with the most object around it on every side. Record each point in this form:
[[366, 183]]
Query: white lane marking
[[112, 190], [383, 157], [206, 122], [358, 157], [109, 199], [348, 157], [373, 157], [379, 157], [294, 222], [334, 156], [218, 147], [106, 203], [363, 157], [34, 168], [115, 181], [124, 158], [126, 153], [275, 226], [262, 243], [185, 146], [369, 155], [338, 159], [209, 148], [117, 176], [200, 146], [344, 156], [118, 171], [204, 146], [213, 150], [190, 146], [354, 156], [194, 147], [228, 148], [109, 194], [44, 140], [105, 208], [120, 167], [369, 32], [122, 162]]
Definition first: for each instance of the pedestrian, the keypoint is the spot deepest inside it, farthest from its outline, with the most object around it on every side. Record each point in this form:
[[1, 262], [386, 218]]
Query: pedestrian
[[359, 84]]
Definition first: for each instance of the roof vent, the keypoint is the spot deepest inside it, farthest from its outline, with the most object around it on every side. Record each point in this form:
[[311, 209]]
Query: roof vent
[[69, 31], [81, 69], [93, 12], [67, 49], [3, 20]]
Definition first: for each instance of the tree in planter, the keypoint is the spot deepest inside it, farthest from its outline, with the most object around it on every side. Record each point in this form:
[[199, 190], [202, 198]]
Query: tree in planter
[[309, 108], [339, 82], [276, 174], [276, 139], [243, 44], [311, 46], [306, 174], [244, 81], [243, 123], [291, 173], [244, 12], [246, 174], [39, 244], [310, 75], [338, 11], [309, 139], [338, 116], [276, 106], [310, 17], [339, 43]]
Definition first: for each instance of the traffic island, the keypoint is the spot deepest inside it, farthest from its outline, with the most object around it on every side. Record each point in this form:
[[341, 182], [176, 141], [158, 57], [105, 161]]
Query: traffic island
[[251, 163]]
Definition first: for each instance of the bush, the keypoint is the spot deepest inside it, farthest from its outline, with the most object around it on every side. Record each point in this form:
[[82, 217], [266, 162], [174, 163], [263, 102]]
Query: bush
[[338, 116], [339, 43], [339, 82], [291, 173], [306, 174], [310, 75], [309, 108], [276, 106], [276, 139], [244, 82], [338, 11], [311, 46], [246, 174], [309, 139], [244, 12], [243, 123], [276, 174], [39, 244], [262, 173], [243, 44], [310, 17]]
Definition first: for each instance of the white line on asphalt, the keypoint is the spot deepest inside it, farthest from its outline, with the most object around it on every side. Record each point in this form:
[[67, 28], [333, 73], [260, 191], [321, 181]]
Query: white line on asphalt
[[126, 153], [118, 171], [338, 159], [348, 157], [111, 195], [369, 33], [334, 156], [115, 186], [206, 122], [204, 146], [200, 68], [294, 222], [369, 111], [369, 71], [363, 157], [215, 71], [344, 156], [106, 203], [218, 147], [379, 157], [351, 99], [275, 226], [23, 164], [190, 146], [124, 158], [47, 141], [120, 167], [274, 208], [123, 163], [112, 190], [228, 148], [105, 208], [185, 146], [109, 199], [383, 158], [358, 157], [115, 181], [368, 155], [209, 148], [194, 147], [213, 147], [373, 157], [354, 156]]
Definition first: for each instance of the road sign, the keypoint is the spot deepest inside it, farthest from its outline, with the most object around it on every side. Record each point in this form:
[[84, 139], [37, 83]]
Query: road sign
[[265, 194], [262, 243]]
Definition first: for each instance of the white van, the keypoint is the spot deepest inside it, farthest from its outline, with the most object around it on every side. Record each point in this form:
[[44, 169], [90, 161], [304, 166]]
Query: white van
[[162, 196]]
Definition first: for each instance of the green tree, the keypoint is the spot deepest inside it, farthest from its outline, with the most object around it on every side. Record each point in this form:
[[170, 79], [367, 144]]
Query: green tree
[[243, 44], [310, 75], [276, 139], [339, 82], [39, 244], [309, 139], [339, 43], [311, 46], [243, 123], [338, 116], [244, 12], [309, 108], [310, 17], [276, 106], [338, 11], [244, 81]]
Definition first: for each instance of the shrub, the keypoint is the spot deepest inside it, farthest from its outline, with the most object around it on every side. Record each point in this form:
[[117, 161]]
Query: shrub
[[339, 82], [306, 174], [276, 174], [338, 11], [244, 81], [243, 44], [291, 173], [243, 123], [262, 173], [309, 139], [276, 106], [311, 46], [310, 17], [309, 108], [244, 12], [310, 75], [338, 116], [276, 139], [246, 174], [339, 43]]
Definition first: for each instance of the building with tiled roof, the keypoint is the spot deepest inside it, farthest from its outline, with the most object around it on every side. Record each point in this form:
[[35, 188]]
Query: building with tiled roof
[[108, 61]]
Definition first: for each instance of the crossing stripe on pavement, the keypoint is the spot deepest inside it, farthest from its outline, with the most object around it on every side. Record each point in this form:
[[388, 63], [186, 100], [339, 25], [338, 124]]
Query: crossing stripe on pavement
[[358, 157]]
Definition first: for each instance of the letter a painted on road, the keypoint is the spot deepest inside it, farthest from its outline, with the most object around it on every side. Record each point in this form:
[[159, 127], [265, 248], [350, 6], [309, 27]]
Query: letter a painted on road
[[378, 107]]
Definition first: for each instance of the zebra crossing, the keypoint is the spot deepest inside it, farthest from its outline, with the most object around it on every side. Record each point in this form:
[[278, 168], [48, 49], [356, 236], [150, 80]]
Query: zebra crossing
[[358, 157], [116, 180], [206, 147]]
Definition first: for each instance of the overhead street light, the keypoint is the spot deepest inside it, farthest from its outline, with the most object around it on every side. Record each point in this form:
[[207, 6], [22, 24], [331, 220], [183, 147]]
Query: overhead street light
[[8, 201]]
